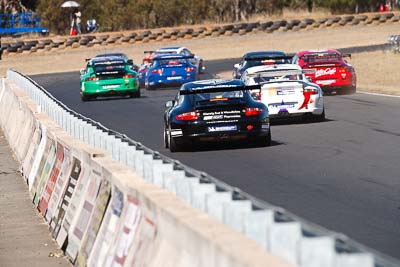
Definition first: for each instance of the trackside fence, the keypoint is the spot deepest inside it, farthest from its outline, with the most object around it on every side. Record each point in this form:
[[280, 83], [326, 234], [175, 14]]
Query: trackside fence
[[278, 231]]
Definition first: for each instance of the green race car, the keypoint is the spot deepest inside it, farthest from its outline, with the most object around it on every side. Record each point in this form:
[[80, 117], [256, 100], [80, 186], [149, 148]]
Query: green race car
[[109, 75]]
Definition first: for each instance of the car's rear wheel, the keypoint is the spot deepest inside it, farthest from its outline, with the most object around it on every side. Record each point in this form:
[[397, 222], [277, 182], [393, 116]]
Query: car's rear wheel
[[135, 94], [84, 97], [201, 67], [166, 139], [264, 140], [173, 146], [320, 117]]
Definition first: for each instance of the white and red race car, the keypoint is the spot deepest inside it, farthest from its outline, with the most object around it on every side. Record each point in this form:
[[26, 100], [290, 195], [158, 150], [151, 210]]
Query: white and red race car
[[286, 91]]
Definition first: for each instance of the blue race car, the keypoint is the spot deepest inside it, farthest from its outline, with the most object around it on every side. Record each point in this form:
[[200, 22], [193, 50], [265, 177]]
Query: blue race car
[[170, 70], [259, 58]]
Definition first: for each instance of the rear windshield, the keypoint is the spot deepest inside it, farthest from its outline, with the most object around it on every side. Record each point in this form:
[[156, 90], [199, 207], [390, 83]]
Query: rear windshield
[[109, 67], [218, 97], [322, 57], [172, 62]]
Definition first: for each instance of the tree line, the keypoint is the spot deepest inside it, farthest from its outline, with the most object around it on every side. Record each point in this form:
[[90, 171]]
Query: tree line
[[116, 15]]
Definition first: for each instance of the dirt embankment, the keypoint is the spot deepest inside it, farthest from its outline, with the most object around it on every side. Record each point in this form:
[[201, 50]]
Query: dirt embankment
[[375, 70]]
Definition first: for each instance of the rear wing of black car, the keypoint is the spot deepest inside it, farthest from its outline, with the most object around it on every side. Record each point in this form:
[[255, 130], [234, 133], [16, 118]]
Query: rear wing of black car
[[217, 89], [271, 58]]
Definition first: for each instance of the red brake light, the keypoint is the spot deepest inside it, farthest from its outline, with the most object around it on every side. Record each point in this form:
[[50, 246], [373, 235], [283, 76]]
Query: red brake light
[[157, 71], [127, 76], [189, 69], [253, 111], [256, 96], [187, 116], [91, 79], [311, 90]]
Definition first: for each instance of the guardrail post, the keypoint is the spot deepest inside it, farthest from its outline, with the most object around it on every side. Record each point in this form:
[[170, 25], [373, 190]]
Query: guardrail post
[[199, 193], [139, 162], [284, 240], [317, 251], [158, 173], [234, 213], [171, 179], [354, 259], [215, 202], [183, 187], [131, 155], [257, 224], [148, 160]]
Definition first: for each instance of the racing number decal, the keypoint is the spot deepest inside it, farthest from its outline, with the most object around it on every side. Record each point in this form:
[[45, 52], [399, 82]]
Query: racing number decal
[[307, 96]]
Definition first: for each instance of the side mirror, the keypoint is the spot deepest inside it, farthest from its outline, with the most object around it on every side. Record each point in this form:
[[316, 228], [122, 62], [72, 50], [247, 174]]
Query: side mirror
[[236, 66], [170, 104], [82, 71]]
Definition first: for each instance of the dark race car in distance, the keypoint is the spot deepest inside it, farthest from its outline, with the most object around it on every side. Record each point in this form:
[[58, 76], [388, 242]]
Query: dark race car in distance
[[332, 71], [214, 111], [167, 70], [259, 58]]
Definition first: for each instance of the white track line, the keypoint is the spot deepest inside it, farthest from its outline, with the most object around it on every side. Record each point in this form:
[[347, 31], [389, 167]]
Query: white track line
[[376, 94]]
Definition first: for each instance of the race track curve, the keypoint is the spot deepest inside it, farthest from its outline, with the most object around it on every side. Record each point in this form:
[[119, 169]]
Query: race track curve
[[343, 174]]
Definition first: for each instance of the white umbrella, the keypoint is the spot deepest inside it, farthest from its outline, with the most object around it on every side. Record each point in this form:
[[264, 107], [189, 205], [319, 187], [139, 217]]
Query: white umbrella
[[70, 4]]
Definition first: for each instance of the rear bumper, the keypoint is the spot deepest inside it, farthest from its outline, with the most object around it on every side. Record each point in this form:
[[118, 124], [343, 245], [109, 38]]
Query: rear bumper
[[167, 83], [181, 136], [93, 88]]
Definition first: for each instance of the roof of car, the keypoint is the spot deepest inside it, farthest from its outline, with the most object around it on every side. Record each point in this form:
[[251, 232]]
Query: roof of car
[[170, 48], [322, 51], [112, 54], [263, 53], [256, 69], [107, 58]]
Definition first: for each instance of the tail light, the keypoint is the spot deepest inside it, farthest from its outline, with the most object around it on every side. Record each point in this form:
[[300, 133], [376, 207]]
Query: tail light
[[91, 79], [189, 69], [127, 76], [187, 116], [256, 95], [253, 111], [311, 90], [157, 71]]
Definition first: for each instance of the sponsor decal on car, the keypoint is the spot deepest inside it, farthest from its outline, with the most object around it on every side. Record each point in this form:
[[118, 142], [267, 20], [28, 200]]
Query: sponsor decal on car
[[222, 128], [323, 72]]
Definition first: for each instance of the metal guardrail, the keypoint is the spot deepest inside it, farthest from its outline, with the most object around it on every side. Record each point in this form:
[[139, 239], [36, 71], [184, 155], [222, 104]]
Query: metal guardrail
[[231, 201]]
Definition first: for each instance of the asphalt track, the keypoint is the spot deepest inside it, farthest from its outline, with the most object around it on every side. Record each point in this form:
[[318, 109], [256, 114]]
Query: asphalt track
[[343, 174]]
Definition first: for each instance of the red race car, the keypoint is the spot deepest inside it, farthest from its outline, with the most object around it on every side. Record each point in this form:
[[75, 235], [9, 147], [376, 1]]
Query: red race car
[[332, 72]]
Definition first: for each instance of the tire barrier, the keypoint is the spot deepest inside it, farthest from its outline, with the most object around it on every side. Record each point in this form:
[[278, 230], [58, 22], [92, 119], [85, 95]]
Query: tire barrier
[[159, 35], [109, 162]]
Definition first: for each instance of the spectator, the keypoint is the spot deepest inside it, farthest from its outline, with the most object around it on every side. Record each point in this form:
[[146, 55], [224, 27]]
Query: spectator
[[78, 20]]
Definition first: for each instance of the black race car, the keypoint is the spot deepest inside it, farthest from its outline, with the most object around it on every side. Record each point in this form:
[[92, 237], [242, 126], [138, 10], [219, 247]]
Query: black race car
[[259, 58], [215, 110]]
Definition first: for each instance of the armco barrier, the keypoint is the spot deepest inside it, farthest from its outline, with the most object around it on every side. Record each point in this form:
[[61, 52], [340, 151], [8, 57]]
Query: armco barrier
[[101, 212], [140, 218]]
